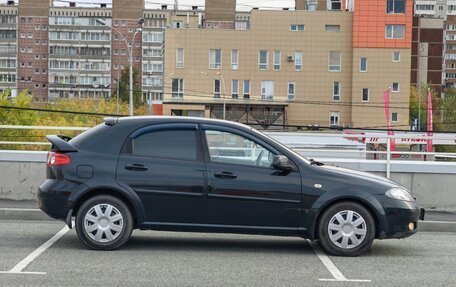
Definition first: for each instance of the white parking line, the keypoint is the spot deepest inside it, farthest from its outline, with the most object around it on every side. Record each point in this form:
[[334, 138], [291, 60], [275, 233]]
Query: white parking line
[[332, 268], [20, 209], [32, 256]]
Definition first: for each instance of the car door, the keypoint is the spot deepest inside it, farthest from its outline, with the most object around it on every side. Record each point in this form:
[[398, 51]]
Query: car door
[[164, 165], [244, 190]]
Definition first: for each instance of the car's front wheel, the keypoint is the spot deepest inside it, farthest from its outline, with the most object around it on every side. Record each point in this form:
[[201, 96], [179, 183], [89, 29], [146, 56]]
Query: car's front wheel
[[104, 222], [346, 229]]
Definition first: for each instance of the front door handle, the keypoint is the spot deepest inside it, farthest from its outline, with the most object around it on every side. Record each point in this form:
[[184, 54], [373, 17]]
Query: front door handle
[[225, 174], [136, 167]]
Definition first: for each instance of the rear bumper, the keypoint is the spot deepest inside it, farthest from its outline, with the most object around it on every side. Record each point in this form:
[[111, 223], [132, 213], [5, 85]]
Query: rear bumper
[[53, 198]]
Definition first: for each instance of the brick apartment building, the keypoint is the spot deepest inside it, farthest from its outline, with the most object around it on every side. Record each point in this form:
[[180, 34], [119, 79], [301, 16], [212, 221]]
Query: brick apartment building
[[327, 62]]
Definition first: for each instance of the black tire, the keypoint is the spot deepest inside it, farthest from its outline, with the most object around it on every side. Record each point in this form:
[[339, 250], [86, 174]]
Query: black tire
[[351, 246], [123, 226]]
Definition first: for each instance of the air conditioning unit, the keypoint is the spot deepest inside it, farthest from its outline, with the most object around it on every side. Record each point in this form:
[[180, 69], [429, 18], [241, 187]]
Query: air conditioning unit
[[290, 59]]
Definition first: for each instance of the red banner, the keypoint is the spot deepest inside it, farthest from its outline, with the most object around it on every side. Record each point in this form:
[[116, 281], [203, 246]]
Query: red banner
[[386, 99], [430, 128]]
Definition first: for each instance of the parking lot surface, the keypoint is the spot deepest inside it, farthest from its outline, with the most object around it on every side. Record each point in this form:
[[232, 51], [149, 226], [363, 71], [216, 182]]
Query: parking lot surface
[[193, 259]]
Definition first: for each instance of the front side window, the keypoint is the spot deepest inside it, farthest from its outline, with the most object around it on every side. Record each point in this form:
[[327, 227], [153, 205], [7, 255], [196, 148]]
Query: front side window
[[171, 144], [395, 31], [395, 6], [178, 88], [215, 58], [298, 61], [225, 147], [263, 60], [267, 90], [180, 58], [335, 58]]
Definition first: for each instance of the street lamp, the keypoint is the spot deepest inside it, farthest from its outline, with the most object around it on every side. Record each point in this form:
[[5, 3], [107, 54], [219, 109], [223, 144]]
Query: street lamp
[[224, 91], [130, 52]]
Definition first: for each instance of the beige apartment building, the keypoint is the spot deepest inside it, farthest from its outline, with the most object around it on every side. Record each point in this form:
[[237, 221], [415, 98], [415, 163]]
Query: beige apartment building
[[316, 66]]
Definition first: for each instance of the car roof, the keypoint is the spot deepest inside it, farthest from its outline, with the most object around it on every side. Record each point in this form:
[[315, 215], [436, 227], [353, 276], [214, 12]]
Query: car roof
[[175, 119]]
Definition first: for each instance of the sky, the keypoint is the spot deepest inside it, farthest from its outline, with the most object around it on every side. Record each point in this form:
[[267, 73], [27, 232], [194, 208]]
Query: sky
[[186, 4]]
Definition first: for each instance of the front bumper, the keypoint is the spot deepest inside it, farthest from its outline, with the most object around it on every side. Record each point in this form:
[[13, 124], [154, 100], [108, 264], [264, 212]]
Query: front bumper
[[401, 218]]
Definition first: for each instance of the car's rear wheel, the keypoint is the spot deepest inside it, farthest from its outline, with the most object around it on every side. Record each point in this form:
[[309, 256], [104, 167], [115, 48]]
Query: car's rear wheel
[[346, 229], [104, 222]]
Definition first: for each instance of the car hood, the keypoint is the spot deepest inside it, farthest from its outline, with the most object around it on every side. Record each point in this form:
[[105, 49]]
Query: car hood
[[360, 175]]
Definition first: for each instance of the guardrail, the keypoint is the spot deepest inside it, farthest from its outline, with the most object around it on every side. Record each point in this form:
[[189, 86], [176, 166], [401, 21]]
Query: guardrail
[[388, 162]]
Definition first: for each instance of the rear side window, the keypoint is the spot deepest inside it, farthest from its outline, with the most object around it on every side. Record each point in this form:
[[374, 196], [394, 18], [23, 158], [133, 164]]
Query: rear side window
[[172, 144]]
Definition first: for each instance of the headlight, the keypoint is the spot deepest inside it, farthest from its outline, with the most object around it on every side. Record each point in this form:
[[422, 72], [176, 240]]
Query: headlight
[[400, 194]]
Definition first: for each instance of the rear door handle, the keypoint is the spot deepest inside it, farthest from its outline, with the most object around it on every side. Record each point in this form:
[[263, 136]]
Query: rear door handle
[[225, 174], [136, 167]]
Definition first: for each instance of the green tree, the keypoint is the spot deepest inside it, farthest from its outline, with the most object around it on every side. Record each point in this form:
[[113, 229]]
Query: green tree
[[416, 108], [124, 87]]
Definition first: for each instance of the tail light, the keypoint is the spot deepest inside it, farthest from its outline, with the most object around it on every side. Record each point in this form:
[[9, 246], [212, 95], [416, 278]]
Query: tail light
[[56, 159]]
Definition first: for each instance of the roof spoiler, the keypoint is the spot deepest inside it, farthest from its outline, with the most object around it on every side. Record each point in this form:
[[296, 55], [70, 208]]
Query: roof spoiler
[[60, 143], [110, 121]]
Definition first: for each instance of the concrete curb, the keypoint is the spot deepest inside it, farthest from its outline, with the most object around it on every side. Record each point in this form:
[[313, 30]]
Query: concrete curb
[[36, 214]]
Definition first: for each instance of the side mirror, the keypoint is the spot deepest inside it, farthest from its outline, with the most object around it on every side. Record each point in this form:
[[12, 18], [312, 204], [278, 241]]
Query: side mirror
[[281, 162]]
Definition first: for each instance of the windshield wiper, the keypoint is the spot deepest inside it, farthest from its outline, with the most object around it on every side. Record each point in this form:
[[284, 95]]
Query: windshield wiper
[[314, 162]]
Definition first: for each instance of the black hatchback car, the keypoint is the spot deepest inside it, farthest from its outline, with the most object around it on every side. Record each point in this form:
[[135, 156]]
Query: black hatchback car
[[202, 175]]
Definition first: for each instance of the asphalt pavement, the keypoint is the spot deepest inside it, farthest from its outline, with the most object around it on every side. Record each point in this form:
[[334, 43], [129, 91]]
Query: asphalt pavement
[[193, 259]]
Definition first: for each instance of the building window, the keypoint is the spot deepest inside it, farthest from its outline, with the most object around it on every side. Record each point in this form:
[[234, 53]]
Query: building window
[[294, 27], [22, 35], [395, 87], [215, 58], [116, 22], [396, 56], [395, 31], [116, 37], [124, 23], [334, 5], [37, 42], [365, 96], [334, 119], [30, 35], [234, 59], [217, 89], [30, 50], [37, 27], [332, 28], [363, 64], [263, 60], [298, 61], [235, 89], [395, 6], [394, 117], [291, 90], [177, 88], [246, 89], [179, 58], [267, 90], [124, 52], [277, 60], [37, 57], [336, 92], [116, 52], [335, 58]]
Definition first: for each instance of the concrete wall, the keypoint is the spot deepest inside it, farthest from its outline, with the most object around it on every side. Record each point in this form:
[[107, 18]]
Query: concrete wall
[[19, 180]]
